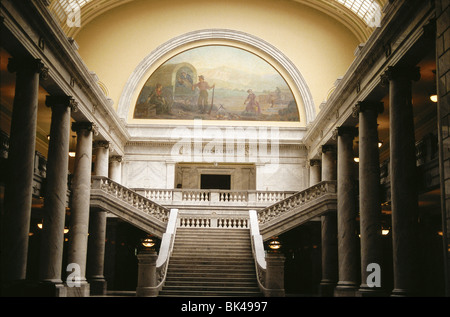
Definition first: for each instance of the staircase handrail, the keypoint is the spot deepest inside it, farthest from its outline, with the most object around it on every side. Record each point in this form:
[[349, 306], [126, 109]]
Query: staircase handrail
[[300, 198], [165, 250], [133, 197], [258, 251]]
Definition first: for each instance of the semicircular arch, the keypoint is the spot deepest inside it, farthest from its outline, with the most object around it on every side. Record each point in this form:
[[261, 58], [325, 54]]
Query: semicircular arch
[[140, 73]]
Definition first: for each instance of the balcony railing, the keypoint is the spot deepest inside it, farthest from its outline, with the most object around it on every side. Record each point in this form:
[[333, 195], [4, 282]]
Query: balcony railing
[[200, 197]]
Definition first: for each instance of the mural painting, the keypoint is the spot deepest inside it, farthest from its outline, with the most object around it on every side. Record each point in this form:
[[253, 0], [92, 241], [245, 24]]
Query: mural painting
[[216, 83]]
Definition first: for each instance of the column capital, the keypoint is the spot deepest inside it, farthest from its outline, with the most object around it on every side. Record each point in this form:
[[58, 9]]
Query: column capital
[[77, 126], [32, 65], [398, 72], [314, 162], [101, 143], [328, 148], [63, 101], [345, 130], [116, 158], [367, 105]]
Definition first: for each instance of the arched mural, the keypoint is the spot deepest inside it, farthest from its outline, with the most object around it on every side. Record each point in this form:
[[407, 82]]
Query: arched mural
[[217, 82]]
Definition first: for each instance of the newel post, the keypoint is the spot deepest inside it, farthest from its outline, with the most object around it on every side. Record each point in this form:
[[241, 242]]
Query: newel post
[[275, 274], [146, 284]]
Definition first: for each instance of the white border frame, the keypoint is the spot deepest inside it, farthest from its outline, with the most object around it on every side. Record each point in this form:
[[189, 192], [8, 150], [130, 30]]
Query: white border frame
[[142, 68]]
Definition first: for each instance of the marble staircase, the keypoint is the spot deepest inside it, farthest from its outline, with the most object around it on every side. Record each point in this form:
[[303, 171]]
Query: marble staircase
[[211, 262]]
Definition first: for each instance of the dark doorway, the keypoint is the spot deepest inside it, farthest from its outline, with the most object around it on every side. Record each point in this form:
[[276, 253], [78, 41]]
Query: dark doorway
[[209, 181]]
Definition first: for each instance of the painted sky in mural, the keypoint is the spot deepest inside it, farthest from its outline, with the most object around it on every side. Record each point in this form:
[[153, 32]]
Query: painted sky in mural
[[216, 83]]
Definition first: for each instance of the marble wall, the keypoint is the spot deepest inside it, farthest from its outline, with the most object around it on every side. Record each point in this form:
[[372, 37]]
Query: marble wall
[[153, 165]]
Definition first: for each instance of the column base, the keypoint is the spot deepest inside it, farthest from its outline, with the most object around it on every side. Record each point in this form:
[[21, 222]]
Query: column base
[[365, 291], [83, 290], [345, 289], [98, 286], [398, 292], [326, 289], [146, 292], [25, 288]]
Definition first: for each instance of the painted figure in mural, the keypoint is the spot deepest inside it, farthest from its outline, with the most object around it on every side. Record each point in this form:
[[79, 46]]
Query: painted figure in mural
[[184, 80], [252, 104], [203, 86], [156, 100]]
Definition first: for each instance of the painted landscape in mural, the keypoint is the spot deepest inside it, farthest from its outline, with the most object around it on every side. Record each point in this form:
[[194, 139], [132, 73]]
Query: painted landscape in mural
[[216, 83]]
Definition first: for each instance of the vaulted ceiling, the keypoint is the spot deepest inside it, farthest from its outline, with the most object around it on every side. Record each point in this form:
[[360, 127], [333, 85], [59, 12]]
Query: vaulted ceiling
[[357, 15]]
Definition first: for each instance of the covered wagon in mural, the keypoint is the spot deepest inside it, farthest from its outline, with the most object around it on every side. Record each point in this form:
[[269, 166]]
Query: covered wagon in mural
[[217, 82], [171, 83]]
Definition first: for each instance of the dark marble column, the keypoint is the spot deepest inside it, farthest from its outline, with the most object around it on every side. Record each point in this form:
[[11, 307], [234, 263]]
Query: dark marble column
[[404, 191], [97, 228], [19, 174], [369, 194], [80, 205], [329, 228], [52, 237], [348, 254]]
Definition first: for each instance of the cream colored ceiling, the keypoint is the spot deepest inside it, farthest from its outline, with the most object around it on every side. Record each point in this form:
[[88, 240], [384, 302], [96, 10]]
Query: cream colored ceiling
[[348, 12]]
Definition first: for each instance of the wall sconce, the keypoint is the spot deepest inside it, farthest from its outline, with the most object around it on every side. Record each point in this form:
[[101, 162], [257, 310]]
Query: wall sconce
[[356, 159], [434, 98]]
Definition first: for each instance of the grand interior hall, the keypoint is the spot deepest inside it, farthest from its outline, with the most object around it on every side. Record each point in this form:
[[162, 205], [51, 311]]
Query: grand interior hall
[[238, 148]]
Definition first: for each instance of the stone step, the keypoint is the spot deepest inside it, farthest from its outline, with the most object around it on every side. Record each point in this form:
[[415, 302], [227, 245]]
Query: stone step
[[209, 293], [201, 278], [212, 288], [211, 276], [211, 262]]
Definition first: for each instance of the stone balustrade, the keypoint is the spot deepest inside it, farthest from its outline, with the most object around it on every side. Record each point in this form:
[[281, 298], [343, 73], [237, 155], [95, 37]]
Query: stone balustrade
[[297, 209], [136, 200], [201, 197], [127, 204], [222, 220]]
